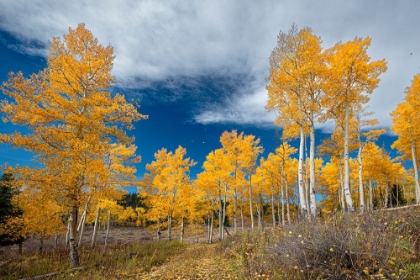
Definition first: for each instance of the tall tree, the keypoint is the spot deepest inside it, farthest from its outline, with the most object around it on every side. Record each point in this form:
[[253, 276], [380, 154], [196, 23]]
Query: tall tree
[[241, 153], [364, 138], [297, 67], [166, 183], [351, 77], [73, 119], [406, 125]]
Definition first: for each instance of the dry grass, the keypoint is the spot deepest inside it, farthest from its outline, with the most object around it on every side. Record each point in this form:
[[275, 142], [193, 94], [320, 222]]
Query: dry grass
[[380, 245], [118, 261]]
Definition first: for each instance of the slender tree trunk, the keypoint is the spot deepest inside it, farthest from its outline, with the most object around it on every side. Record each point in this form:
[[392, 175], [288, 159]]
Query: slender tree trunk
[[95, 228], [347, 193], [235, 209], [287, 202], [211, 228], [242, 219], [312, 195], [220, 214], [273, 213], [158, 233], [361, 191], [182, 228], [302, 200], [67, 235], [224, 213], [370, 195], [169, 226], [74, 254], [55, 241], [208, 225], [416, 172], [282, 204], [220, 219], [107, 228], [258, 215], [386, 194], [82, 227], [342, 202], [262, 213], [250, 202], [278, 213]]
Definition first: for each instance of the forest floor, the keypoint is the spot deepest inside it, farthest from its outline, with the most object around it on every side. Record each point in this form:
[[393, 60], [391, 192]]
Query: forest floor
[[376, 245], [200, 261]]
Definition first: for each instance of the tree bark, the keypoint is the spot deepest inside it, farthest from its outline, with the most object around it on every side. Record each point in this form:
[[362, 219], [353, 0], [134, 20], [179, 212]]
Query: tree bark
[[82, 227], [182, 228], [95, 228], [361, 191], [242, 220], [273, 213], [312, 195], [282, 204], [107, 228], [74, 254], [169, 226], [250, 202], [302, 200], [416, 172], [370, 195], [220, 215], [347, 193]]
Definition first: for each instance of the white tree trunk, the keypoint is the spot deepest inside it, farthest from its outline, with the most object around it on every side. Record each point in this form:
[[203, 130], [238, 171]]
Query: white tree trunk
[[182, 228], [82, 228], [107, 228], [235, 208], [220, 216], [282, 204], [273, 213], [242, 220], [250, 202], [74, 254], [302, 200], [361, 191], [95, 228], [416, 172], [347, 193], [169, 226], [312, 195], [370, 195]]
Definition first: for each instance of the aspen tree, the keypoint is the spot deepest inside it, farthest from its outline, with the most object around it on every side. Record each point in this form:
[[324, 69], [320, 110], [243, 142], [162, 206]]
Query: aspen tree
[[297, 68], [406, 125], [168, 175], [215, 175], [351, 78], [72, 119], [364, 138]]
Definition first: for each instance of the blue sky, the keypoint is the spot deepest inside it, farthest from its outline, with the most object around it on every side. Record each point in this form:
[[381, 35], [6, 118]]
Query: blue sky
[[199, 67]]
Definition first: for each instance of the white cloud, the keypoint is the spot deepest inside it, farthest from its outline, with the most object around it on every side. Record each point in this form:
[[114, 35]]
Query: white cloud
[[244, 108], [162, 40]]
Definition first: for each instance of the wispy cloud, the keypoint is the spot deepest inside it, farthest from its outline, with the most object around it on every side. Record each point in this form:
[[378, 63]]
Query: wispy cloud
[[165, 44]]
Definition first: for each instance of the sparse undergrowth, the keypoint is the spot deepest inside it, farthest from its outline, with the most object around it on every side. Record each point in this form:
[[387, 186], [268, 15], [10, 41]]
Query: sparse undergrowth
[[118, 261], [379, 245]]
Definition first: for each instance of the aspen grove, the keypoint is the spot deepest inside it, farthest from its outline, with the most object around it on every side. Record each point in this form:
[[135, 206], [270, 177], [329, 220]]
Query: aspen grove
[[76, 129]]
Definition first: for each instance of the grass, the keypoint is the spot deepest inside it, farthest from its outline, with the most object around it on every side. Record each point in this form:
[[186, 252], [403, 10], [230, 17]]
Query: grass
[[379, 245], [118, 261]]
